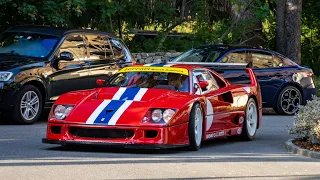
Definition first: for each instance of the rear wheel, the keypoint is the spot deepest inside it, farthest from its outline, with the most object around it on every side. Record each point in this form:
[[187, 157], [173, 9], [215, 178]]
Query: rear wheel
[[28, 105], [288, 101], [250, 124], [195, 127]]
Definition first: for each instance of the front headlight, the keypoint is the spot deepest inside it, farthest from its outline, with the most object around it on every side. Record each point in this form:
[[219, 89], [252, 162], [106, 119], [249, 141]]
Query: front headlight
[[62, 111], [5, 76], [158, 116], [167, 114]]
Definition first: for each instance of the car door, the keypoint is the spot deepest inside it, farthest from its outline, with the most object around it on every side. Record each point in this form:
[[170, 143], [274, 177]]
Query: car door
[[106, 57], [69, 70], [218, 104], [270, 73]]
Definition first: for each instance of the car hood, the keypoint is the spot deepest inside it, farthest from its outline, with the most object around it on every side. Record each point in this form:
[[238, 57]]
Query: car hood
[[119, 106], [8, 62]]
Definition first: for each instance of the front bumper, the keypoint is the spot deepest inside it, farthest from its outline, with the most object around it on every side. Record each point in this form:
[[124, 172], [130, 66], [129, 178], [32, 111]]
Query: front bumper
[[115, 145], [117, 136]]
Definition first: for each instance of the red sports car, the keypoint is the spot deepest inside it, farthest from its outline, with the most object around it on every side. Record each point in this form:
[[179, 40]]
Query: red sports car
[[157, 106]]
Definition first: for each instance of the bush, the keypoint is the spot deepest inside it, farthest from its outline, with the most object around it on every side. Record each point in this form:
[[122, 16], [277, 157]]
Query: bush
[[307, 121]]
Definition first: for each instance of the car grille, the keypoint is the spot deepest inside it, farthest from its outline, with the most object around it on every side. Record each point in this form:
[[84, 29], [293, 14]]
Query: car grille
[[100, 133]]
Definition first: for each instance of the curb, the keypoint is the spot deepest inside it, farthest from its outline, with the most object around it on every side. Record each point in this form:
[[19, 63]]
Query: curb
[[290, 147]]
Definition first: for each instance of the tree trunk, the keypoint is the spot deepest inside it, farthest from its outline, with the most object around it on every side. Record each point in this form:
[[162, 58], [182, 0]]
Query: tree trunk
[[280, 20], [293, 30], [289, 28], [119, 24]]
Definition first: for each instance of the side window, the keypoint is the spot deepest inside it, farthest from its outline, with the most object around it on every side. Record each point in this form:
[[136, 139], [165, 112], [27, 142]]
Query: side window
[[262, 60], [236, 57], [117, 49], [279, 61], [98, 47], [205, 76], [195, 81], [73, 44], [287, 62]]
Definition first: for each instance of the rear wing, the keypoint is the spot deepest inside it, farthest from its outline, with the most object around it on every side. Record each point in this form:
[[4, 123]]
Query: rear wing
[[235, 73]]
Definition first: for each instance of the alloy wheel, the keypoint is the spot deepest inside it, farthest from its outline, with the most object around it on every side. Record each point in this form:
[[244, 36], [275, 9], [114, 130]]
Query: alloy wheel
[[29, 105], [290, 100]]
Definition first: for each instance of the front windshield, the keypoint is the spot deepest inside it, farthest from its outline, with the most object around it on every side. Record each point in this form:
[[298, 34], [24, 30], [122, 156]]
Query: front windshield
[[199, 55], [156, 80], [27, 44]]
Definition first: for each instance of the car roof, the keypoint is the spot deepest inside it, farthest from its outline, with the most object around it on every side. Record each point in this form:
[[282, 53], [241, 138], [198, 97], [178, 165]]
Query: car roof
[[229, 47], [226, 46], [55, 31]]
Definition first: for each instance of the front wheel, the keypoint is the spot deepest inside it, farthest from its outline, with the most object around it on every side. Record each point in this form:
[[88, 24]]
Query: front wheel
[[28, 105], [288, 101], [195, 127]]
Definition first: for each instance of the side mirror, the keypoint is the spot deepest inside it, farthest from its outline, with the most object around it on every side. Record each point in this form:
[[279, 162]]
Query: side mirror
[[203, 84], [100, 82], [67, 56]]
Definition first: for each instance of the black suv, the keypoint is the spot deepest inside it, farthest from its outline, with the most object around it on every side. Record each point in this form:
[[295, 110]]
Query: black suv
[[38, 63]]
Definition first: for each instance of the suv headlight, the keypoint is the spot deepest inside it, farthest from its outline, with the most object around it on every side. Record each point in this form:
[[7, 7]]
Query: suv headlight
[[62, 111], [5, 76]]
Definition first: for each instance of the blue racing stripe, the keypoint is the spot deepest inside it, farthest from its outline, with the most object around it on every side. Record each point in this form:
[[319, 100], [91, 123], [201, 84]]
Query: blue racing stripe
[[129, 93], [106, 114], [158, 65]]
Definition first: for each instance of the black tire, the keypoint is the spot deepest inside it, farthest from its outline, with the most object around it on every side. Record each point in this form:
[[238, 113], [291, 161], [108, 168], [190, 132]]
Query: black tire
[[245, 135], [281, 106], [17, 115], [194, 146]]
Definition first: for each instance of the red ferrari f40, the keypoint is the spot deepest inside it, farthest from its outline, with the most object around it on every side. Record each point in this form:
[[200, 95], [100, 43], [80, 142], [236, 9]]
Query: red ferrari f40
[[157, 106]]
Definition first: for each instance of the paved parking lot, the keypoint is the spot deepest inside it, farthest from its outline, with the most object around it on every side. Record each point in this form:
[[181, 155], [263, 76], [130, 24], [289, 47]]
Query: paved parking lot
[[23, 156]]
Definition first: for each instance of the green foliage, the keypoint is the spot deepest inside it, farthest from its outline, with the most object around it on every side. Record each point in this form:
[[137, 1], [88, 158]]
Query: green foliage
[[206, 21], [307, 121]]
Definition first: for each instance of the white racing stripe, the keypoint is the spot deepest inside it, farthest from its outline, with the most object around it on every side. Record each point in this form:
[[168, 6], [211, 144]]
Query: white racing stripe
[[149, 64], [96, 112], [168, 65], [125, 106], [140, 94], [209, 115], [119, 93], [119, 112]]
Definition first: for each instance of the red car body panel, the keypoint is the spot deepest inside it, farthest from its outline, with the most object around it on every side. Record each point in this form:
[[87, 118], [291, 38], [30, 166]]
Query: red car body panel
[[227, 104]]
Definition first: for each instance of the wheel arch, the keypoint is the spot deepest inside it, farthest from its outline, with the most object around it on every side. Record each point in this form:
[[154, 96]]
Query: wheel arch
[[296, 85], [202, 103], [38, 83]]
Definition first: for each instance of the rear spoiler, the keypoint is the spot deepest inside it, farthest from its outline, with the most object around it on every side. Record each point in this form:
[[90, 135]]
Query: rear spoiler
[[226, 67], [218, 66]]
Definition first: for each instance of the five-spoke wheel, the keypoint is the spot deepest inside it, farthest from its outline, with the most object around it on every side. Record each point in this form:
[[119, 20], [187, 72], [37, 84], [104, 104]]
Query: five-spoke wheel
[[289, 100], [28, 105]]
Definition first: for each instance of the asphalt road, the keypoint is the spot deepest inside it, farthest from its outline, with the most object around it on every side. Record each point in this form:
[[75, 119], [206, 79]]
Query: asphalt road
[[23, 156]]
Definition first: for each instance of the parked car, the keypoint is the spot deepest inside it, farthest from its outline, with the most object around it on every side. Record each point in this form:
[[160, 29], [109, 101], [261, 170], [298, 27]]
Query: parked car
[[158, 106], [284, 84], [38, 64]]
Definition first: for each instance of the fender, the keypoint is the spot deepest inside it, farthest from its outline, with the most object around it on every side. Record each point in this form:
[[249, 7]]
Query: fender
[[288, 84], [28, 79]]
